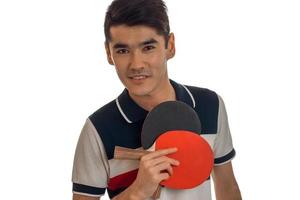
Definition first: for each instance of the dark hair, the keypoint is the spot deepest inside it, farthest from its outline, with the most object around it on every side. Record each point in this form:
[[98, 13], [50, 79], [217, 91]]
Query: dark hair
[[152, 13]]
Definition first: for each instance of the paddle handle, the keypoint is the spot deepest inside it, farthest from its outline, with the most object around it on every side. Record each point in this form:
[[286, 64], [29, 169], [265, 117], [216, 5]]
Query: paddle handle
[[156, 194], [127, 153]]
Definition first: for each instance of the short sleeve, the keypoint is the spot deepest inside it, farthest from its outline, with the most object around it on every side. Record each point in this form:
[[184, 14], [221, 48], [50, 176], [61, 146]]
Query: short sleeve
[[90, 167], [223, 147]]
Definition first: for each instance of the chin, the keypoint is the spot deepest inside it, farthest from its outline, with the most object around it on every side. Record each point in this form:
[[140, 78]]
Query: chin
[[139, 91]]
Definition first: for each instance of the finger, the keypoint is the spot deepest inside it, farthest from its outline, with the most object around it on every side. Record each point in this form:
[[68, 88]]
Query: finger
[[159, 153], [169, 170], [163, 176], [162, 159], [163, 168]]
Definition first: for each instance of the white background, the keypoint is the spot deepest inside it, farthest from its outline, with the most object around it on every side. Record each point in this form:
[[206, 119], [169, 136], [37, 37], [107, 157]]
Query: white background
[[54, 74]]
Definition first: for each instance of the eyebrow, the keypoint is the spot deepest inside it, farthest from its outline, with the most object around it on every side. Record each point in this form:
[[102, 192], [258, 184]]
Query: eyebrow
[[146, 42], [120, 46], [150, 41]]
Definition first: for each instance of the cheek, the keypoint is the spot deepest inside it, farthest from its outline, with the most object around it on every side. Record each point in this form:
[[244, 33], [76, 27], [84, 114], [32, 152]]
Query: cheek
[[120, 71], [158, 59], [120, 65], [159, 63], [120, 60]]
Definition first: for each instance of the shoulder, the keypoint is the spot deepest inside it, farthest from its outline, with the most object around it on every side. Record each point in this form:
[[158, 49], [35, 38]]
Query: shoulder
[[105, 112], [202, 94], [204, 97], [105, 120], [207, 106], [113, 129]]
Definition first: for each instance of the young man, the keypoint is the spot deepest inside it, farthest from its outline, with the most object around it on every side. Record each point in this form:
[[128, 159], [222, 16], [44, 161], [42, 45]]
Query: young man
[[139, 44]]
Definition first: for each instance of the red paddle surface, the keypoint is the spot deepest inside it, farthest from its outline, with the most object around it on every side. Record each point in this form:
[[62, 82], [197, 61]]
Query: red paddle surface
[[195, 157]]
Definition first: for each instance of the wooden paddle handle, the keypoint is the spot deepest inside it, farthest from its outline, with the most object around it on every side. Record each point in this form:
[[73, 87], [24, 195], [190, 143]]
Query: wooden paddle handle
[[156, 194], [127, 153]]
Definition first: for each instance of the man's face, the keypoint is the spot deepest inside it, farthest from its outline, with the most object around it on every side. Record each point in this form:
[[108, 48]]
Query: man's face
[[140, 58]]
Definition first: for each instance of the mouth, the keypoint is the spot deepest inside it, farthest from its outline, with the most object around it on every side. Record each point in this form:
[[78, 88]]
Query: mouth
[[138, 77]]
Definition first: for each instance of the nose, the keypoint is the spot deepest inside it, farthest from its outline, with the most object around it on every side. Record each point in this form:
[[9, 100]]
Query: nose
[[136, 60]]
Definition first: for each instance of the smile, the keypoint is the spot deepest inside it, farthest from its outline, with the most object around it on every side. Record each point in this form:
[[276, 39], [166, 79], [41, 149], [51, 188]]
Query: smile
[[138, 77]]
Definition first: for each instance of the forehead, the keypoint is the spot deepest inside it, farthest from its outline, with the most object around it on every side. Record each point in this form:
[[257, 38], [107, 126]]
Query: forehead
[[133, 35]]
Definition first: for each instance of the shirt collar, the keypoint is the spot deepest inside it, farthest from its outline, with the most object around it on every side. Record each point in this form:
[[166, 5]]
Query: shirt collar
[[132, 112]]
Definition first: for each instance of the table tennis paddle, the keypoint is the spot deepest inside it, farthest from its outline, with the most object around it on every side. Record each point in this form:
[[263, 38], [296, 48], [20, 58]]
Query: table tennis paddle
[[175, 124]]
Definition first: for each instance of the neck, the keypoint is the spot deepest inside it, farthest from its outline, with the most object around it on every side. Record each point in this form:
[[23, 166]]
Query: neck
[[148, 102]]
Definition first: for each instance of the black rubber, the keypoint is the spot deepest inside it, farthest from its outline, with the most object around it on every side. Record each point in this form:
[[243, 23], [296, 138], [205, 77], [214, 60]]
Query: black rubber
[[168, 116]]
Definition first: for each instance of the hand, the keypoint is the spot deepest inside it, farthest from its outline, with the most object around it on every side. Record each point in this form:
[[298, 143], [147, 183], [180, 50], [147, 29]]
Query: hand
[[154, 168]]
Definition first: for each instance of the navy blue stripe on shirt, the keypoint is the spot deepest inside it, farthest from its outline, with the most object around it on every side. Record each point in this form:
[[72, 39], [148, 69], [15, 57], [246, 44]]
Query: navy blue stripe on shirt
[[88, 189], [225, 158]]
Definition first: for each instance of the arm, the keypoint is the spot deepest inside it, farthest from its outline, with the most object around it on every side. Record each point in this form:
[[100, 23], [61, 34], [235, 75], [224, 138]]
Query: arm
[[90, 167], [226, 187], [131, 193], [81, 197], [154, 167]]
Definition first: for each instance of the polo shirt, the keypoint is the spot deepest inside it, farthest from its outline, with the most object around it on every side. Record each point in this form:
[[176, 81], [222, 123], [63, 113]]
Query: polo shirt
[[119, 123]]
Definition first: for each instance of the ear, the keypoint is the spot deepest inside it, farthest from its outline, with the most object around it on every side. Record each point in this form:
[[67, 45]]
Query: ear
[[108, 54], [171, 46]]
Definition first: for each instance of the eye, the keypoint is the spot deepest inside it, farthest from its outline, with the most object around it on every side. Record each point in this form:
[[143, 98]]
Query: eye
[[148, 48], [122, 51]]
